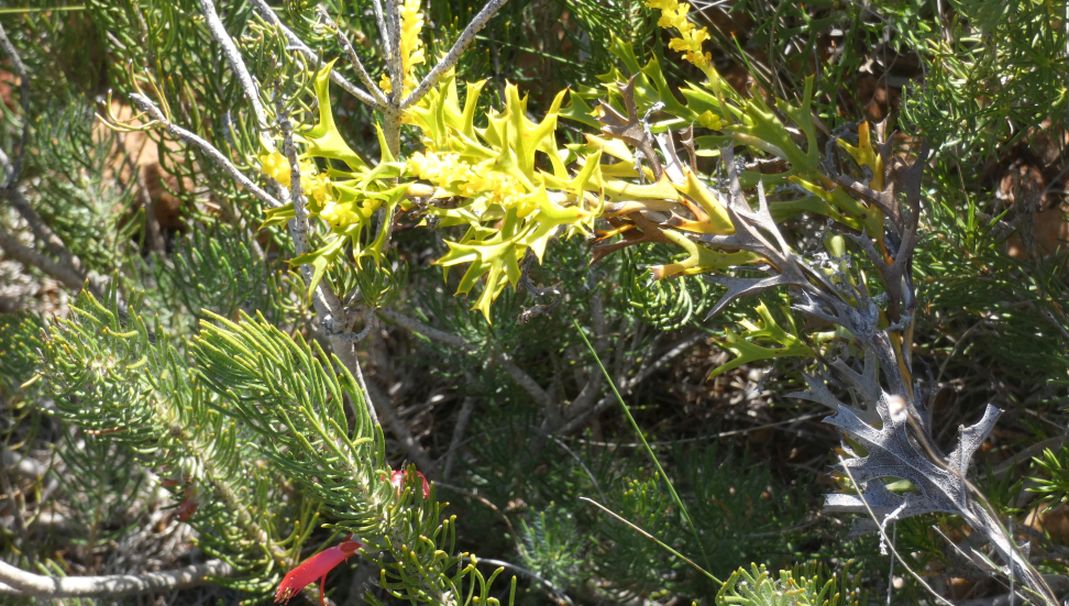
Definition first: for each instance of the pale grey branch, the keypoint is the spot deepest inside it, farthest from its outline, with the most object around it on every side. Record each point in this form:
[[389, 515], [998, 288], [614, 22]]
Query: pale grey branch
[[146, 105], [15, 581], [237, 64], [31, 258], [521, 377], [269, 15], [354, 59]]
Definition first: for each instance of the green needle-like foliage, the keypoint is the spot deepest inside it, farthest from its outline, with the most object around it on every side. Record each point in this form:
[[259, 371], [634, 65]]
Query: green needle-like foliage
[[119, 380], [806, 586], [293, 397]]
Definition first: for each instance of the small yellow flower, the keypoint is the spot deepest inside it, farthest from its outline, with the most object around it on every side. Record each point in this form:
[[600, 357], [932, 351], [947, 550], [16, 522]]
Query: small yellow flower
[[443, 170], [319, 187], [276, 166], [495, 186], [411, 44], [690, 39], [339, 214], [710, 120]]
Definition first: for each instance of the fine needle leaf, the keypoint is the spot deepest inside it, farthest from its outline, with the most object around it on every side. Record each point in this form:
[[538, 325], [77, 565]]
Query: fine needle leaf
[[648, 535], [646, 446]]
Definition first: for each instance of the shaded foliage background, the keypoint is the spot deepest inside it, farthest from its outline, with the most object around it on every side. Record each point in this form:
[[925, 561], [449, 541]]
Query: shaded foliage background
[[983, 82]]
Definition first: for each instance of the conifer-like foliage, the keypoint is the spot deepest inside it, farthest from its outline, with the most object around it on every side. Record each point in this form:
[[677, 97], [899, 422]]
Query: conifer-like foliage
[[568, 301]]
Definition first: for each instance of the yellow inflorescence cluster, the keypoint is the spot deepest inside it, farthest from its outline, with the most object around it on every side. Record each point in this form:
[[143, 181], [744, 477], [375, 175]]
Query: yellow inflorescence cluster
[[488, 179], [277, 167], [479, 182], [412, 53], [690, 39], [317, 186]]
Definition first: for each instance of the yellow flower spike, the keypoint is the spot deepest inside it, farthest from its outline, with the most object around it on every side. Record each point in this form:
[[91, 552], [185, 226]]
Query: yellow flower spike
[[412, 53], [690, 39], [319, 188], [411, 44], [710, 120], [339, 214]]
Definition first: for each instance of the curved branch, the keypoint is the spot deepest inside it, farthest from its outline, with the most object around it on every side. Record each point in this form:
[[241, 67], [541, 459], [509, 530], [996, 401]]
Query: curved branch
[[524, 380], [29, 257], [15, 581], [146, 105], [269, 15]]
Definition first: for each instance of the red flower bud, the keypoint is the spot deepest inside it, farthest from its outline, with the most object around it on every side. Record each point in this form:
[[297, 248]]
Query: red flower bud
[[313, 568], [397, 480]]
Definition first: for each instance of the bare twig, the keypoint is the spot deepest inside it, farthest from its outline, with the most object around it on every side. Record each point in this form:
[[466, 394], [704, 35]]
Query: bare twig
[[354, 59], [237, 64], [396, 426], [394, 62], [1028, 453], [146, 105], [712, 436], [384, 34], [69, 265], [579, 416], [328, 307], [269, 15], [15, 581], [556, 592], [461, 425], [41, 231], [30, 257]]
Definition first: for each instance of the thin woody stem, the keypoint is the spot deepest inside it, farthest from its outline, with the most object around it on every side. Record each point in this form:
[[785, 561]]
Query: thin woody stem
[[354, 59], [521, 377], [233, 57], [394, 62], [69, 269], [31, 258], [297, 44], [146, 105], [328, 307]]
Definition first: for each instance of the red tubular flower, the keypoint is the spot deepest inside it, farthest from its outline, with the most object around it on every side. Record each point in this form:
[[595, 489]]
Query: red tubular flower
[[316, 567], [397, 480]]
